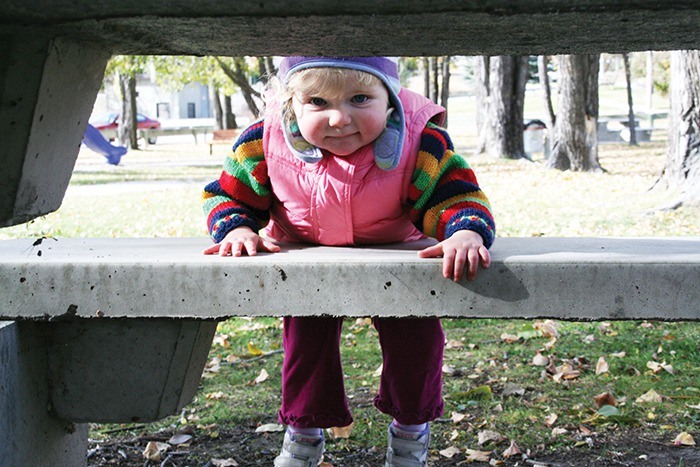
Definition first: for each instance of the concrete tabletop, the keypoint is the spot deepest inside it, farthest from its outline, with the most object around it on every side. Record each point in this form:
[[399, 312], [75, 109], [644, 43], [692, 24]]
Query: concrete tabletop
[[566, 278]]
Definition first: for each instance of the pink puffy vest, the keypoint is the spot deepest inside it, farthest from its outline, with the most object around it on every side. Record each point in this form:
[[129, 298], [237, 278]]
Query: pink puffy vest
[[349, 200]]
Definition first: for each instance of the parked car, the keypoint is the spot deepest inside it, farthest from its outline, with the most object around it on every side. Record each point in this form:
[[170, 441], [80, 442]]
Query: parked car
[[107, 124]]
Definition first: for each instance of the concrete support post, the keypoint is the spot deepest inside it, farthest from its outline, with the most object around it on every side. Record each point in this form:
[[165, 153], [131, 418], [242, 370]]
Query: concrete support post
[[29, 433], [125, 370], [47, 90]]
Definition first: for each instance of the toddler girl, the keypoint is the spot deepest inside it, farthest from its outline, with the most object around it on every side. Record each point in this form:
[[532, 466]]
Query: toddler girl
[[345, 156]]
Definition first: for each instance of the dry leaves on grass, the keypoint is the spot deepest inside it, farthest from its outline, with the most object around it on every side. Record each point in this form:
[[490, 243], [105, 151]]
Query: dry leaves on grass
[[605, 399], [489, 436], [650, 396], [684, 439], [343, 432], [263, 376], [657, 367], [601, 366]]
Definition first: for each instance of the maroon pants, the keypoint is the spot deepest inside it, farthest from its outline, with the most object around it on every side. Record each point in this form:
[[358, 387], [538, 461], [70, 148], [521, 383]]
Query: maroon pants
[[313, 392]]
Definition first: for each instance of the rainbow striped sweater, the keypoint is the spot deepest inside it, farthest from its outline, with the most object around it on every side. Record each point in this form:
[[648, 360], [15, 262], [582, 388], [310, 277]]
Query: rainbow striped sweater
[[443, 197]]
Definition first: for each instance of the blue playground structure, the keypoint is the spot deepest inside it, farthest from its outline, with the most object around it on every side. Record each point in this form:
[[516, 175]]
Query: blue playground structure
[[94, 140]]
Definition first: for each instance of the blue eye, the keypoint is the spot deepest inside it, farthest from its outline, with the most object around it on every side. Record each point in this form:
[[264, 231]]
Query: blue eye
[[317, 101], [359, 99]]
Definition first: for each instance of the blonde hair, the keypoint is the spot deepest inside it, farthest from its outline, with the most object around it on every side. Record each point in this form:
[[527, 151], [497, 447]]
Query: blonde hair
[[322, 80]]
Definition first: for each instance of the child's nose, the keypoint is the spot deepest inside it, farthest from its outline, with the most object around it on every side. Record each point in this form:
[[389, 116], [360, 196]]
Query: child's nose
[[338, 117]]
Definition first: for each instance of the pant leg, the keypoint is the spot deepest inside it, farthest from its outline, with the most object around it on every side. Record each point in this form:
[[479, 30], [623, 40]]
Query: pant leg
[[313, 391], [410, 388]]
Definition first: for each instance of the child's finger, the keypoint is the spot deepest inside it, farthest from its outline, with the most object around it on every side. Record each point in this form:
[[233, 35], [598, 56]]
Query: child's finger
[[431, 252], [212, 249], [251, 247], [460, 262], [448, 264], [270, 246], [473, 264]]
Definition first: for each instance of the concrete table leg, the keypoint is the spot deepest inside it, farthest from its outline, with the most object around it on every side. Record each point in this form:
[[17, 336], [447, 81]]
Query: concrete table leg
[[30, 435], [47, 90]]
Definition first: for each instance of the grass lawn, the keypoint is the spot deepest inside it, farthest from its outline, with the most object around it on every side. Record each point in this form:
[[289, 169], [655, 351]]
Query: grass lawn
[[507, 382]]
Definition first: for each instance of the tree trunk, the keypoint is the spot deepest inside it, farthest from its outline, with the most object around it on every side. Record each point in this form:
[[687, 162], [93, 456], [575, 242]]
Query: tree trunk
[[630, 104], [542, 65], [239, 78], [501, 130], [434, 72], [426, 77], [229, 117], [445, 88], [482, 93], [218, 110], [127, 128], [575, 131], [682, 169]]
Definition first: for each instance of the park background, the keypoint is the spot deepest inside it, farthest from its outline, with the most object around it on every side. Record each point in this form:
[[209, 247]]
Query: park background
[[510, 385]]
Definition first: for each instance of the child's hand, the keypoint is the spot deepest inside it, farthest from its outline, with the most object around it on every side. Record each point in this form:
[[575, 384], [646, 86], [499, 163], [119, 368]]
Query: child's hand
[[464, 249], [239, 240]]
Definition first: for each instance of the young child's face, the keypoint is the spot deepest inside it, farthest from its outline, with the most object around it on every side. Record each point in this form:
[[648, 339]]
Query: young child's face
[[342, 121]]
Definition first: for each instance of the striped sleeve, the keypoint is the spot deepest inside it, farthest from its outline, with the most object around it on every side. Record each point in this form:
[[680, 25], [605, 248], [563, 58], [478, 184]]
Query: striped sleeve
[[241, 196], [444, 194]]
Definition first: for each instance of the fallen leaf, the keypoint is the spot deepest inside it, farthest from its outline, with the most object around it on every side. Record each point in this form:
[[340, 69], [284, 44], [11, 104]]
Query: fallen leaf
[[509, 338], [254, 350], [619, 354], [513, 450], [262, 376], [550, 419], [605, 399], [477, 393], [213, 366], [378, 372], [512, 389], [550, 343], [179, 438], [601, 367], [450, 452], [540, 360], [222, 340], [488, 436], [458, 417], [548, 328], [223, 462], [649, 396], [215, 395], [448, 370], [155, 450], [269, 428], [684, 439], [558, 431], [608, 411], [454, 344], [478, 456], [342, 432]]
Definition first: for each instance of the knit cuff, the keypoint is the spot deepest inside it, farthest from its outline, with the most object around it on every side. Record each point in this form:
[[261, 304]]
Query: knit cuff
[[474, 223], [226, 224]]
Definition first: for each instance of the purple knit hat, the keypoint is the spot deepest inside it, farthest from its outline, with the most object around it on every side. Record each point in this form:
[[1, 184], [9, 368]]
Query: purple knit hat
[[388, 146]]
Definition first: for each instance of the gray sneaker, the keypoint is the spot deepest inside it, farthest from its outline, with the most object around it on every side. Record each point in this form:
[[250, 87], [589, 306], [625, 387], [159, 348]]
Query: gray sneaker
[[407, 448], [299, 450]]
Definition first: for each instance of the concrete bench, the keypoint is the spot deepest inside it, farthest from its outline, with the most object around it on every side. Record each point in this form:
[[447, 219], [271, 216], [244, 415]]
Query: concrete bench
[[223, 137], [119, 330]]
